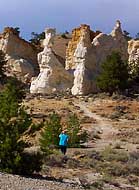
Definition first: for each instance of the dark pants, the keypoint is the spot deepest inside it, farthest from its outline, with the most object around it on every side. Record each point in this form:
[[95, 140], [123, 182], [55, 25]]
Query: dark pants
[[63, 149]]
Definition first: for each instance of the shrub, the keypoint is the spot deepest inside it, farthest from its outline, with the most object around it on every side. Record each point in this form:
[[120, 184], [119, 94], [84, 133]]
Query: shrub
[[50, 135], [64, 35], [76, 135], [114, 74], [30, 162], [36, 38]]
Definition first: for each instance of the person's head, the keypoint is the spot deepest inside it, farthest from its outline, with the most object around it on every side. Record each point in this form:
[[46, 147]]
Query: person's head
[[64, 131]]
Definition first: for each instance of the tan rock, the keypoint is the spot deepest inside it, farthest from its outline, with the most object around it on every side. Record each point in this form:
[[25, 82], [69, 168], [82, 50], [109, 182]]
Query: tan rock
[[22, 57], [88, 35], [88, 56], [133, 50]]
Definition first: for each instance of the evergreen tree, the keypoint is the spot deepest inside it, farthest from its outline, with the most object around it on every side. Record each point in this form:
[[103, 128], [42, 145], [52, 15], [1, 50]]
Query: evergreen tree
[[13, 122], [75, 132], [114, 75], [127, 35], [50, 134], [35, 38]]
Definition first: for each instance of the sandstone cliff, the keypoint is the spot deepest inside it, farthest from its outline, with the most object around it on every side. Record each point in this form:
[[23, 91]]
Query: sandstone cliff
[[53, 77], [86, 56], [21, 56], [88, 35], [133, 50]]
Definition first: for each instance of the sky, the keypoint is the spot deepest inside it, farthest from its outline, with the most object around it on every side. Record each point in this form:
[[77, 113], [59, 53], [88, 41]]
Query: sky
[[64, 15]]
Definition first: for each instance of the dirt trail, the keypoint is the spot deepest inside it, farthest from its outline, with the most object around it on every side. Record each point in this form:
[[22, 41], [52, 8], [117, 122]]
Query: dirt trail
[[103, 127]]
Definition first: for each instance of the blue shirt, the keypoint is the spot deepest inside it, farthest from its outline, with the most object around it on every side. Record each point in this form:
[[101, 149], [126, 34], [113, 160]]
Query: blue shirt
[[63, 139]]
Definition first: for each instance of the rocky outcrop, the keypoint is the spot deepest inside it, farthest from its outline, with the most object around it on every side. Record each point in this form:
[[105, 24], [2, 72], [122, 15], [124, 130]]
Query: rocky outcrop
[[21, 56], [53, 77], [133, 50], [88, 56], [88, 35]]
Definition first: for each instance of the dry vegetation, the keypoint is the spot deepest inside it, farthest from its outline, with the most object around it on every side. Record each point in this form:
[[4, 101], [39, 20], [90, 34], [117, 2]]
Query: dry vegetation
[[112, 161]]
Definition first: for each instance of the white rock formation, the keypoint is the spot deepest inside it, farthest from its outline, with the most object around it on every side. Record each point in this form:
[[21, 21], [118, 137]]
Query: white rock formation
[[88, 58], [80, 80], [133, 50], [21, 56], [53, 77]]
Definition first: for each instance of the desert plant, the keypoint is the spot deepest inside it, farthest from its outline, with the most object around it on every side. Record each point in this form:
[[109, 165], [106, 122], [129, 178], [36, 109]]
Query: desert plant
[[35, 38], [50, 135], [114, 74], [76, 135], [127, 35]]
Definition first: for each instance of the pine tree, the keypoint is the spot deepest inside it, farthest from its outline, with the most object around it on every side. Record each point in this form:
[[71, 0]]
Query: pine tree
[[114, 75], [75, 132], [13, 122], [50, 134]]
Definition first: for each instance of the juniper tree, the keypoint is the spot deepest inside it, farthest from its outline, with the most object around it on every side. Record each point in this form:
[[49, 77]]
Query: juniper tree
[[13, 122], [114, 74]]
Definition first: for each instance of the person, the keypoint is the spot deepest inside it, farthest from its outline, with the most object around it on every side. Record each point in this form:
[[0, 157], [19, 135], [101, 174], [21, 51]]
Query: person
[[63, 142]]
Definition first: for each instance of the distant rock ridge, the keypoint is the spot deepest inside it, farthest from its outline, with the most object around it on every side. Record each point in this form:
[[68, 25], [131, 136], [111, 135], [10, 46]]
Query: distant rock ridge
[[85, 53], [53, 77], [77, 70], [21, 56]]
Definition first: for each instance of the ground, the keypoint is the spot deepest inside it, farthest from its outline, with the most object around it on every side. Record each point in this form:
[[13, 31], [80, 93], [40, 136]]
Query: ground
[[110, 157]]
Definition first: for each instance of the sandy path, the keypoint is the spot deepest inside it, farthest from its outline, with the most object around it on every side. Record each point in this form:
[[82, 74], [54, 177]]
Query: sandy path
[[103, 126]]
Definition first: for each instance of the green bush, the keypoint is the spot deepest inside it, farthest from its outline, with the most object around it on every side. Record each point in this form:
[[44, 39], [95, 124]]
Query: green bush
[[50, 135], [76, 135], [30, 162], [114, 74], [49, 139], [36, 38]]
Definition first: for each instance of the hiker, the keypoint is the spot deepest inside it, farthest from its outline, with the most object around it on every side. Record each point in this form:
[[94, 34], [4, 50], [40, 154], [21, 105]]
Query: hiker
[[63, 142]]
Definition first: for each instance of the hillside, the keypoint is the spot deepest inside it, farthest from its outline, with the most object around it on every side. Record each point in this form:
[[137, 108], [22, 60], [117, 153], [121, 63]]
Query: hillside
[[113, 128]]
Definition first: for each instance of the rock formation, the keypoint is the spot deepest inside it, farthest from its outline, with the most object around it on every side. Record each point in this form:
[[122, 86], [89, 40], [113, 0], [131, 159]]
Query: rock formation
[[21, 56], [133, 50], [88, 35], [86, 53], [53, 77]]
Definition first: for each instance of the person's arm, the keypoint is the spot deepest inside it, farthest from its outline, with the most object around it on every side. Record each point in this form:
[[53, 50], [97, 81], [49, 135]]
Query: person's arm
[[67, 138]]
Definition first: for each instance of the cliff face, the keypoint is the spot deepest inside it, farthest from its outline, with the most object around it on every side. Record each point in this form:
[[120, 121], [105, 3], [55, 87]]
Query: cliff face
[[89, 55], [21, 56], [133, 50], [88, 35], [85, 52], [52, 77]]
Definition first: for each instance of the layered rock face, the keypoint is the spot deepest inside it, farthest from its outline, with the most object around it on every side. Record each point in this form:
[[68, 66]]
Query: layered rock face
[[133, 50], [90, 52], [88, 35], [53, 77], [21, 56]]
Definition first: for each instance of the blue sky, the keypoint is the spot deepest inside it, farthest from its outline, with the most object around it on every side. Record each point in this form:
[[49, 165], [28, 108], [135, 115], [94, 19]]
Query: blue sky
[[36, 15]]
